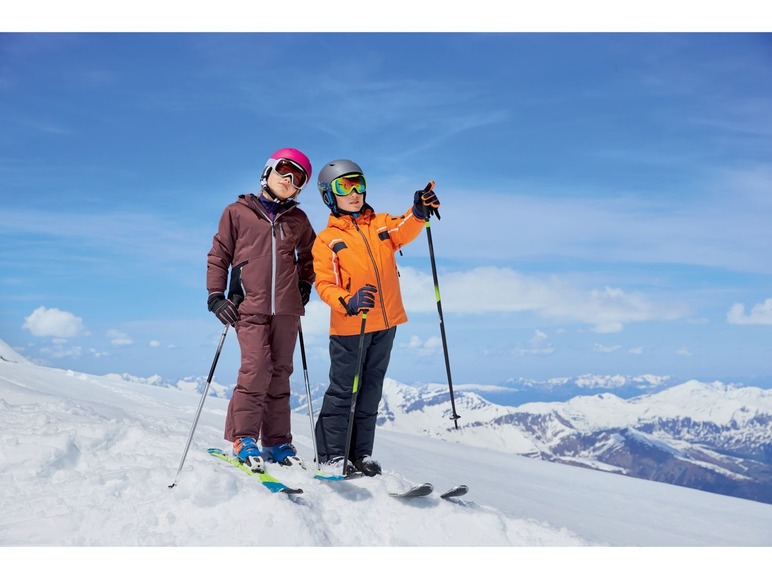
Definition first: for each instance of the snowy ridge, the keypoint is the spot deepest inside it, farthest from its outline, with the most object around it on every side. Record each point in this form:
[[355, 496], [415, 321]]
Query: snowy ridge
[[111, 448], [8, 354], [709, 436]]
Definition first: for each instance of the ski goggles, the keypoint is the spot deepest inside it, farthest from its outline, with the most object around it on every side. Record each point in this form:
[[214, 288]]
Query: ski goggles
[[288, 168], [348, 184]]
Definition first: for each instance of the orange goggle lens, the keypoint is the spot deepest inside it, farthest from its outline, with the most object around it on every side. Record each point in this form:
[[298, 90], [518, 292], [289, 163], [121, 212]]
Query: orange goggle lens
[[348, 184]]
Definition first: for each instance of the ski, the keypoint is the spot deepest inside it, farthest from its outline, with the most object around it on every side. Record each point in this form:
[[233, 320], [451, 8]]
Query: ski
[[328, 476], [271, 483], [318, 474], [419, 490], [456, 491]]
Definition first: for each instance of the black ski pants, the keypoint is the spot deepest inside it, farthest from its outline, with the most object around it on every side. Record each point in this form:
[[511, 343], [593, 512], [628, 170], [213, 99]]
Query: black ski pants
[[332, 424]]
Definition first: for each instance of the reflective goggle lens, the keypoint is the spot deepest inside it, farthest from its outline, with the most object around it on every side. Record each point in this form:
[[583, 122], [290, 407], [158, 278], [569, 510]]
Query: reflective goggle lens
[[295, 172], [347, 184]]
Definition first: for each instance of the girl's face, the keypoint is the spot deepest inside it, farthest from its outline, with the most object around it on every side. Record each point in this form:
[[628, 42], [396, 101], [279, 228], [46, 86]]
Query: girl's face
[[281, 186]]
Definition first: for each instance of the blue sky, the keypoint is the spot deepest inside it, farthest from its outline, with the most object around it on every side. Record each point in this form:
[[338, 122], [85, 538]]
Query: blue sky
[[605, 197]]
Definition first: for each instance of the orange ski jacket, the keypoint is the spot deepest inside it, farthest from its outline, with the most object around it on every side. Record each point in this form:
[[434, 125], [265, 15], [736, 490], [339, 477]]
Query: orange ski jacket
[[352, 252]]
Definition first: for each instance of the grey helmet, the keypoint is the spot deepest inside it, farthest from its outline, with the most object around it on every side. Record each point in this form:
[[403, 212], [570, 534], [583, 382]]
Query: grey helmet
[[330, 171]]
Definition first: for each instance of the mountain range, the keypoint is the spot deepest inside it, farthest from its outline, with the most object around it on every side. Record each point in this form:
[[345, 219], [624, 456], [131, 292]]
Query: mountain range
[[710, 436]]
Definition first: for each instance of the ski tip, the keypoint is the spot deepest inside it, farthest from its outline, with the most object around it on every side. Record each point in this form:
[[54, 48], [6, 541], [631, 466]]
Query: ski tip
[[419, 490], [457, 491]]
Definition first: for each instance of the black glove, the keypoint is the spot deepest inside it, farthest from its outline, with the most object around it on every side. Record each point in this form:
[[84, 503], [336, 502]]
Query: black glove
[[425, 204], [305, 291], [363, 299], [223, 308]]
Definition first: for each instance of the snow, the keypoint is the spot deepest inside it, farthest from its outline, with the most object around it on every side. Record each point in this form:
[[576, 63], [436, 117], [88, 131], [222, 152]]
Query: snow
[[87, 461]]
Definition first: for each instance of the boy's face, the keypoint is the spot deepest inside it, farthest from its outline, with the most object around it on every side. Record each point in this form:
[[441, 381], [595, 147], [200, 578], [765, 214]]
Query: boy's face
[[352, 202]]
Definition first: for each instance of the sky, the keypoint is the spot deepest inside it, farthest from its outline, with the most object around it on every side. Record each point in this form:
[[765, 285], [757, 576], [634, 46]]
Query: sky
[[605, 195], [99, 481]]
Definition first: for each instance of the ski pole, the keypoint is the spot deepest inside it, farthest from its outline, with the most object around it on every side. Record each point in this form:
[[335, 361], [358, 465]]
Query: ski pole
[[455, 416], [236, 301], [355, 390], [308, 390]]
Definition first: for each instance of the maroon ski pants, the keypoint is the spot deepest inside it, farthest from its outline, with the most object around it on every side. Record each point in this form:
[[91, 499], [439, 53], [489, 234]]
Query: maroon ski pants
[[260, 405]]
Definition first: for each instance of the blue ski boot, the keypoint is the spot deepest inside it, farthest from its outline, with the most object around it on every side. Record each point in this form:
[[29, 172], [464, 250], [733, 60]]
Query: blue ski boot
[[284, 454], [245, 449]]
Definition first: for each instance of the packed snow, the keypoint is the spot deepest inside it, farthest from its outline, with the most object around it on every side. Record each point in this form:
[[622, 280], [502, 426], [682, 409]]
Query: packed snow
[[87, 461]]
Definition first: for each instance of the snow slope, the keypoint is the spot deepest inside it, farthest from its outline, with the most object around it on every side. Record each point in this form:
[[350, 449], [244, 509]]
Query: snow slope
[[87, 461]]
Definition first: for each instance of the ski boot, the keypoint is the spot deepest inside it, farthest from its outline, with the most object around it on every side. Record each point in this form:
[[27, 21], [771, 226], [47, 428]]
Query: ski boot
[[284, 454], [245, 450], [335, 465], [367, 466]]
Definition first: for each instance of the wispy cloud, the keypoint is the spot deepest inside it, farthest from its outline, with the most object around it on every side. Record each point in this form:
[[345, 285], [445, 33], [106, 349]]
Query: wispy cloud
[[487, 290], [147, 238], [538, 345], [602, 349], [722, 228], [423, 348], [118, 338]]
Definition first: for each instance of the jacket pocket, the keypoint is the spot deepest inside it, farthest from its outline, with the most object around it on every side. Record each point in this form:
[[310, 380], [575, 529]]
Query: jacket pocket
[[237, 281]]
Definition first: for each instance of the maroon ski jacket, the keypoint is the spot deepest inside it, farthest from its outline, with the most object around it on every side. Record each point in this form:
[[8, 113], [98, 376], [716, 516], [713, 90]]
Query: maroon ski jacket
[[268, 256]]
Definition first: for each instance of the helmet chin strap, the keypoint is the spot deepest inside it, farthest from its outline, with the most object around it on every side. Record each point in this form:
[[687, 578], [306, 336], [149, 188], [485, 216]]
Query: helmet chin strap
[[353, 214], [275, 198]]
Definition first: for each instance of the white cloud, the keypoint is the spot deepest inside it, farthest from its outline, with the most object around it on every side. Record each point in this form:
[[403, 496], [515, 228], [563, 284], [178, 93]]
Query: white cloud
[[637, 350], [424, 348], [604, 349], [53, 322], [538, 345], [154, 343], [759, 314], [684, 352], [60, 352], [118, 338], [495, 289]]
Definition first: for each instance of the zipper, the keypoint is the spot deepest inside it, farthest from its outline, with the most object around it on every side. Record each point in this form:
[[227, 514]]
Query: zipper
[[377, 275], [273, 268], [273, 223]]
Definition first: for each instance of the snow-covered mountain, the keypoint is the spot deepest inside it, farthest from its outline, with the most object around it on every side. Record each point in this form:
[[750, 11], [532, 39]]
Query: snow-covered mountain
[[710, 436], [516, 391], [87, 461]]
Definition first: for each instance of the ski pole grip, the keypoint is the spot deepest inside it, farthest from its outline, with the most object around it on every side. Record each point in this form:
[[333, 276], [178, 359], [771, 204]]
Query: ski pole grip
[[429, 187], [348, 309], [345, 306]]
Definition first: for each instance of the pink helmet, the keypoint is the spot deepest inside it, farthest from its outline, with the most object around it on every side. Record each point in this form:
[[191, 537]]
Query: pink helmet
[[293, 155]]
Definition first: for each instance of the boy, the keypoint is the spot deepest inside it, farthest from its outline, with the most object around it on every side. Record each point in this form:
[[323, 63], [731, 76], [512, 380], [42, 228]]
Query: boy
[[356, 271]]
